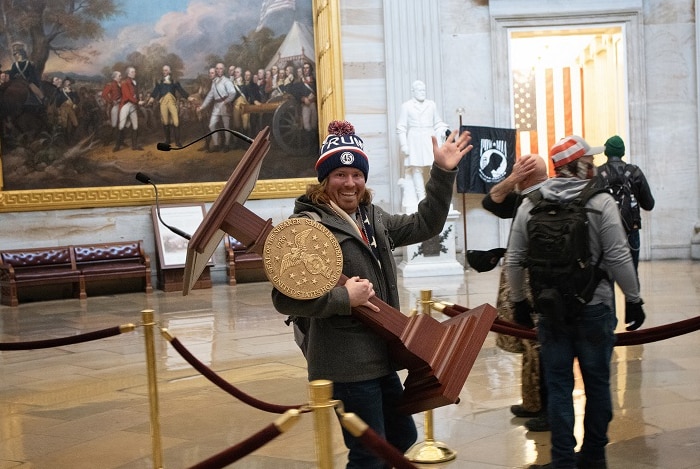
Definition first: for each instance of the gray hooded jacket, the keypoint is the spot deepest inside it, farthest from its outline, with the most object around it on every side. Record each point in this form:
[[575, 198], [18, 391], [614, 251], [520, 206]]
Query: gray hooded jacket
[[606, 236]]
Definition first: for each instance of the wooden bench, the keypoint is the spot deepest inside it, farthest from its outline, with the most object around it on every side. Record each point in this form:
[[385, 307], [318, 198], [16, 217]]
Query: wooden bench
[[37, 267], [72, 265], [241, 265], [110, 261]]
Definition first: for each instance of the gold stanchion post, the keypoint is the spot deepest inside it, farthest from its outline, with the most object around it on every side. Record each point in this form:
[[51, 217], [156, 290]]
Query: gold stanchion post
[[320, 394], [148, 324], [429, 451]]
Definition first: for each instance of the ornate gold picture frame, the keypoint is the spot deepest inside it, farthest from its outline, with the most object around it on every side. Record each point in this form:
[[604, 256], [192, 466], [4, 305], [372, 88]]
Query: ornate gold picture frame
[[326, 19]]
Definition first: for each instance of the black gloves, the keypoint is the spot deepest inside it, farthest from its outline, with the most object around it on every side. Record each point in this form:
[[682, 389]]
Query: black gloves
[[634, 315], [522, 314]]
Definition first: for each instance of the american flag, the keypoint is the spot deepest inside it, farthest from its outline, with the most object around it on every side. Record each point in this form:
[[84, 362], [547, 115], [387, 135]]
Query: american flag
[[271, 6], [547, 107]]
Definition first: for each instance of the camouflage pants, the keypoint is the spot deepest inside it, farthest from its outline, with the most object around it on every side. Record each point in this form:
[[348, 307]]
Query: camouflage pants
[[530, 349]]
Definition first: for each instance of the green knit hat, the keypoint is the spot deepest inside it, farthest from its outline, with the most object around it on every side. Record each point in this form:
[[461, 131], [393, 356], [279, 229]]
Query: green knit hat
[[615, 146]]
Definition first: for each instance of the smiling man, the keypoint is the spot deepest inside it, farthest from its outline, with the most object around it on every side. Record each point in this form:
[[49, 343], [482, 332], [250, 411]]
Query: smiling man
[[338, 347]]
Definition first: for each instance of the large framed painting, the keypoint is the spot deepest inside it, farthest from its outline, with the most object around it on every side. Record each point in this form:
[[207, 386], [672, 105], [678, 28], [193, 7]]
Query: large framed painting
[[93, 92]]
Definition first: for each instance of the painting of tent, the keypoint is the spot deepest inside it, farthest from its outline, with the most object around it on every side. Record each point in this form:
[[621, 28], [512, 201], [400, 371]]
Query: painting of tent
[[297, 47]]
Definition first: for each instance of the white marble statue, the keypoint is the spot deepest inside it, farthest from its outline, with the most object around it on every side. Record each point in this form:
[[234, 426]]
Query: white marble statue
[[418, 122]]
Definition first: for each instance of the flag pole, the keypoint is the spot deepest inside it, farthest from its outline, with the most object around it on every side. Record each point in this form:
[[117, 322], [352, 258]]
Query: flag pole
[[460, 111]]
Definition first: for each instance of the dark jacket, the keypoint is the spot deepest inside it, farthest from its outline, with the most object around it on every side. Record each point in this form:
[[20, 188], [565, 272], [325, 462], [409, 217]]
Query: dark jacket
[[510, 204], [62, 96], [161, 89], [340, 347], [640, 186], [24, 69], [505, 209]]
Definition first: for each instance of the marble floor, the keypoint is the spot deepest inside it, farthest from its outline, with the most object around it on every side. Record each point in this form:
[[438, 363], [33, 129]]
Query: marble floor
[[87, 405]]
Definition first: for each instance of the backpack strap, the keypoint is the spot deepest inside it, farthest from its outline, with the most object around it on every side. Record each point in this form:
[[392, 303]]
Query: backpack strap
[[626, 172], [629, 171], [614, 174], [594, 187], [535, 196]]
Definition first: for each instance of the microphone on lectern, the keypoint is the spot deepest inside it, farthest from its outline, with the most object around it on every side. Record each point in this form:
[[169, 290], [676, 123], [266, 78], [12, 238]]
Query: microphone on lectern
[[142, 178], [167, 147]]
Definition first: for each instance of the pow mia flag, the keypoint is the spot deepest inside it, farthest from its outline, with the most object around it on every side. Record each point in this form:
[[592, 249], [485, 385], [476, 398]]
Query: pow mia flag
[[489, 162]]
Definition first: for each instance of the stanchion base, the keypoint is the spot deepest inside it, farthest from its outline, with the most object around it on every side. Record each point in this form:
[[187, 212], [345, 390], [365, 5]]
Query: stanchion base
[[430, 452]]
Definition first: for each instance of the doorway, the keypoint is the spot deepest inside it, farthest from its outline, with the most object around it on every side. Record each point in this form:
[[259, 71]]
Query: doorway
[[567, 80], [512, 21]]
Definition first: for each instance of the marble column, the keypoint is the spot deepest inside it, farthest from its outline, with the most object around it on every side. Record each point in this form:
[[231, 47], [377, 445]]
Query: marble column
[[412, 51], [695, 239]]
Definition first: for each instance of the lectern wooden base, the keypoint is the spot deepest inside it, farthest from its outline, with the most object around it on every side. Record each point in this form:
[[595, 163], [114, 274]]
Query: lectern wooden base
[[172, 279]]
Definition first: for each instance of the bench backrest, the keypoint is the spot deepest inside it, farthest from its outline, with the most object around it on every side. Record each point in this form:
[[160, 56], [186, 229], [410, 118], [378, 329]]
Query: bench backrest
[[38, 257], [131, 250]]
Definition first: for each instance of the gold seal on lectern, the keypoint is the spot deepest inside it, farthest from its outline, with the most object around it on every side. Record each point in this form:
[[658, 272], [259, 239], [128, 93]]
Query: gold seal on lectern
[[302, 258]]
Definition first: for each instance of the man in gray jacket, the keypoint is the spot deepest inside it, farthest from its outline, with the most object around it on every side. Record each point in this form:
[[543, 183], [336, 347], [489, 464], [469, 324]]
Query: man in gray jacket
[[590, 337], [339, 347]]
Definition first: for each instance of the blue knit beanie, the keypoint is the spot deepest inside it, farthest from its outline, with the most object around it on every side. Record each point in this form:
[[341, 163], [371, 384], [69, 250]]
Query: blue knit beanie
[[341, 148]]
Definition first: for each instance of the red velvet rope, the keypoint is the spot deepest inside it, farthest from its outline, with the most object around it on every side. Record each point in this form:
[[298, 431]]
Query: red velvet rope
[[225, 385], [623, 339], [244, 448], [60, 342], [502, 326], [654, 334]]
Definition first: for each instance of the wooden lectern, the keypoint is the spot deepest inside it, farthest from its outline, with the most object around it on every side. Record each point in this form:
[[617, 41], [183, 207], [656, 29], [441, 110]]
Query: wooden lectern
[[437, 355]]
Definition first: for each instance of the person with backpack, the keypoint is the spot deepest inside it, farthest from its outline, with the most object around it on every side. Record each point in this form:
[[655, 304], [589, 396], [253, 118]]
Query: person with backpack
[[570, 238], [628, 185]]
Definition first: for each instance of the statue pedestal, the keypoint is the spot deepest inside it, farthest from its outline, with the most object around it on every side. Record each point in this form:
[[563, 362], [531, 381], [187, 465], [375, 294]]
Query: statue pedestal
[[434, 257]]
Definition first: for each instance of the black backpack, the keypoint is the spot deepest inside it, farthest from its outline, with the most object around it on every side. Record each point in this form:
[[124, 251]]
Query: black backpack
[[562, 275], [618, 182]]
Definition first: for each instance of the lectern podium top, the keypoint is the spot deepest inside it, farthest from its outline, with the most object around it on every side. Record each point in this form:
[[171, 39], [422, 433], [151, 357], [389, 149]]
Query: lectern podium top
[[236, 191]]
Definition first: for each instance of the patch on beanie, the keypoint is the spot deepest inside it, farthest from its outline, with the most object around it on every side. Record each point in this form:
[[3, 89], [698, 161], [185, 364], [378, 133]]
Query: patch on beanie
[[341, 148], [347, 158]]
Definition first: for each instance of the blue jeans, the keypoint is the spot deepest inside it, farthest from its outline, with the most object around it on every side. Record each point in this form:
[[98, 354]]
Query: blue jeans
[[591, 338], [374, 401]]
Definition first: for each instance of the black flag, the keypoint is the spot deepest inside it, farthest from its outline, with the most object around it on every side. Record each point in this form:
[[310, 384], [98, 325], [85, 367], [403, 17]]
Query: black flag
[[489, 162]]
